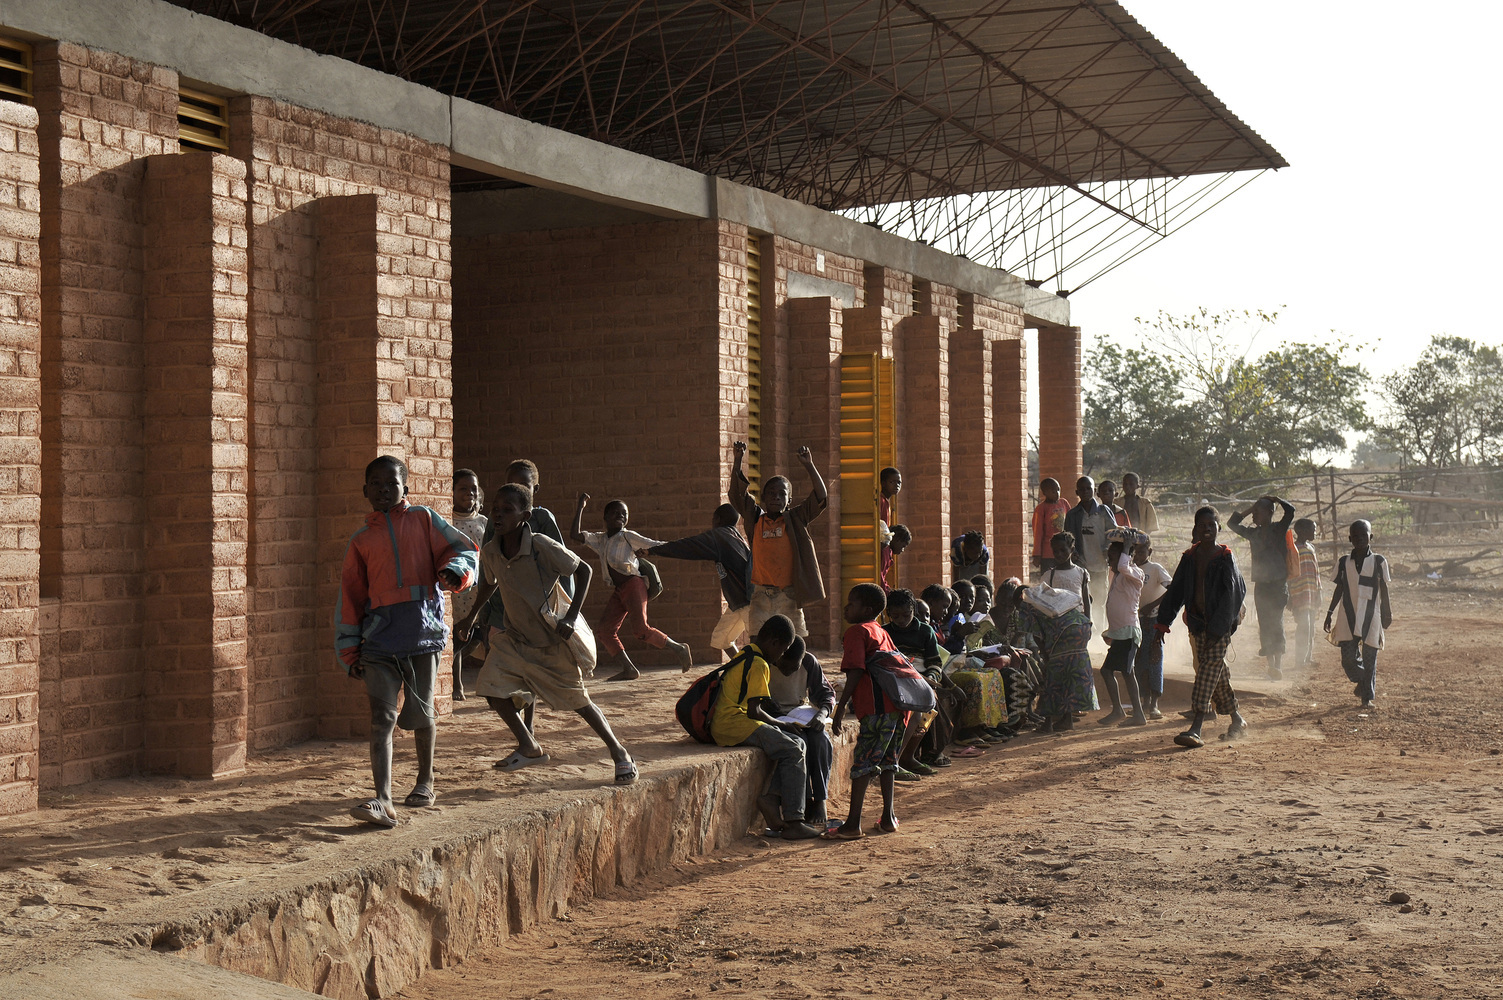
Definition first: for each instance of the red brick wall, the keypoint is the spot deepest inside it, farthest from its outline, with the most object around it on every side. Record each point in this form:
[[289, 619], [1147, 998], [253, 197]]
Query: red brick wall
[[815, 345], [297, 157], [598, 354], [1060, 415], [971, 433], [194, 631], [99, 115], [1012, 543], [20, 455], [924, 429]]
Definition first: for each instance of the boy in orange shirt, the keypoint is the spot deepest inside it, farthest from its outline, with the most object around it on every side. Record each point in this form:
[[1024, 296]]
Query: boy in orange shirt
[[1048, 521], [783, 574]]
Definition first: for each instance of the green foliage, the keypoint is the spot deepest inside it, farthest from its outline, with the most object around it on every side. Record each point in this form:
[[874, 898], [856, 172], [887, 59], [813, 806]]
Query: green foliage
[[1191, 404], [1446, 409]]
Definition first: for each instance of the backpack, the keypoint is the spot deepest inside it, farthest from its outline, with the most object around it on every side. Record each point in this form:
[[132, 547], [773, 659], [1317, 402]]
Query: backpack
[[896, 685], [696, 706]]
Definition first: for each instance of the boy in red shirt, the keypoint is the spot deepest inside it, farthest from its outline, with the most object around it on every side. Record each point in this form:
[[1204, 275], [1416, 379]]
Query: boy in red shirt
[[1048, 521], [880, 739]]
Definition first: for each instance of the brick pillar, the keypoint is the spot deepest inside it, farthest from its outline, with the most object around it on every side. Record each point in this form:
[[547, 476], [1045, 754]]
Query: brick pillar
[[814, 344], [1061, 421], [1011, 541], [20, 455], [196, 279], [924, 505], [362, 377], [971, 429], [868, 330]]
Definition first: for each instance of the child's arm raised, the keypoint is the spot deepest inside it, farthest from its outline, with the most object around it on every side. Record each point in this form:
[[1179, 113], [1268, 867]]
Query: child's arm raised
[[816, 481], [576, 530], [737, 495]]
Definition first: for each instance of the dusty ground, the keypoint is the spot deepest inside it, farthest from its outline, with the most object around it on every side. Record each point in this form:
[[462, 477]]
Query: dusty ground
[[1112, 862]]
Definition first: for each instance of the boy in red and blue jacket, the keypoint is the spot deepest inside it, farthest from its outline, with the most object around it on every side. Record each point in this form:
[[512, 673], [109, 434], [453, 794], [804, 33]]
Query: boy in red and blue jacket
[[389, 623]]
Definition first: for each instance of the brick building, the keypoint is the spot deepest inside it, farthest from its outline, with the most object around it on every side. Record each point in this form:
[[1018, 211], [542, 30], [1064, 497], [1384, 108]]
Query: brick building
[[233, 270]]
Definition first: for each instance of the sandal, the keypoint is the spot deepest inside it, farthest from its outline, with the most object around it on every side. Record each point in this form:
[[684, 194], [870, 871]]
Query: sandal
[[968, 751], [903, 774], [879, 828], [420, 797], [519, 760], [373, 812], [626, 772], [1189, 740], [837, 833]]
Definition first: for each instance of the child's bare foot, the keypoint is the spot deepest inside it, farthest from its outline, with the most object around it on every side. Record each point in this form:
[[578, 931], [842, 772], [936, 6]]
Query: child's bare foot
[[1115, 715], [1132, 720], [681, 650], [628, 672], [771, 808]]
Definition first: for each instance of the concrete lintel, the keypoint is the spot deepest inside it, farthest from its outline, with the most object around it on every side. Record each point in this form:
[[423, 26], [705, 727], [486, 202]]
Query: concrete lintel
[[236, 59], [771, 213]]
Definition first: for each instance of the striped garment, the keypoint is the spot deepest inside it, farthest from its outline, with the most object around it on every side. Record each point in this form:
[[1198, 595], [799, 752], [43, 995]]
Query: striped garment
[[1304, 588]]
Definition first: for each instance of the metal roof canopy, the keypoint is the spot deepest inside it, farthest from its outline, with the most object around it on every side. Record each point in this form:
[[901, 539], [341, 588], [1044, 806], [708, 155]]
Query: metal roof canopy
[[847, 105]]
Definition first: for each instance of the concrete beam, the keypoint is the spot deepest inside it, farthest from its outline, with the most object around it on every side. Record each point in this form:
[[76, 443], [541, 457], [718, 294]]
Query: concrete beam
[[239, 60]]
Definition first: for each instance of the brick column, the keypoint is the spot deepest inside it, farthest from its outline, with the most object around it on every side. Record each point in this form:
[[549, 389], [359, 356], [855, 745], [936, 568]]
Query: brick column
[[1061, 421], [971, 429], [193, 632], [867, 330], [20, 455], [1011, 541], [924, 505], [814, 345]]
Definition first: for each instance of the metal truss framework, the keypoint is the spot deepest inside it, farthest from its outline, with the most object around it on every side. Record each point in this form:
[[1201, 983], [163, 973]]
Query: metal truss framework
[[1036, 135]]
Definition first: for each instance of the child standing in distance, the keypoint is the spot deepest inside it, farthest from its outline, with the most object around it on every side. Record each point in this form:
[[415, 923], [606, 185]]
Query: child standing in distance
[[1123, 633], [749, 722], [531, 658], [389, 623], [1140, 512], [969, 556], [618, 546], [723, 546], [890, 484], [1048, 521], [1362, 593], [880, 738], [1304, 592], [1269, 541], [469, 500], [783, 576], [1066, 574], [1149, 666], [1106, 492], [1087, 523], [1208, 585]]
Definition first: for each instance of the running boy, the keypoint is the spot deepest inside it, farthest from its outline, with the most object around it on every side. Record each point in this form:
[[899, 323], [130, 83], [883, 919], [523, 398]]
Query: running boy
[[1123, 633], [1208, 585], [724, 546], [1269, 541], [1149, 666], [618, 547], [1304, 592], [880, 739], [1048, 521], [389, 623], [531, 659], [469, 501], [1362, 592], [783, 575]]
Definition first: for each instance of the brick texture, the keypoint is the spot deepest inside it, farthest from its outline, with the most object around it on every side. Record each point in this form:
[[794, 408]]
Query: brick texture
[[194, 629], [20, 455], [924, 428], [100, 115], [814, 347], [971, 427], [1061, 420], [1012, 544]]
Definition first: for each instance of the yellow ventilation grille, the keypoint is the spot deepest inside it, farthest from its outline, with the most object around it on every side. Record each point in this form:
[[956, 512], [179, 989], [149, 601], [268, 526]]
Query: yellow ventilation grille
[[15, 71], [754, 360], [868, 435], [203, 121]]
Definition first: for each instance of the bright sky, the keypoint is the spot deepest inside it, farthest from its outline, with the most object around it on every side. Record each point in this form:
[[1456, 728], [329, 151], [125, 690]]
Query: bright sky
[[1384, 228]]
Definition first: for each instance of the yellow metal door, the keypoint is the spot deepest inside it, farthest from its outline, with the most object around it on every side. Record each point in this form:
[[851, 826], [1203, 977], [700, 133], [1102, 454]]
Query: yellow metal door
[[868, 432]]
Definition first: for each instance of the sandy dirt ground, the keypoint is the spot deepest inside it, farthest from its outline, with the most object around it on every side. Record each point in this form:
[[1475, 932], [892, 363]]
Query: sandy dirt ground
[[1335, 853]]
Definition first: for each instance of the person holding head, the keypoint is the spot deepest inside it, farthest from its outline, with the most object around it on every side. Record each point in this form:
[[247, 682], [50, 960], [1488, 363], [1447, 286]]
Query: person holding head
[[1140, 512], [745, 716], [1361, 592], [1048, 521], [531, 659], [880, 738], [1304, 592], [889, 485], [1269, 541], [783, 574], [799, 680], [898, 541], [617, 547], [1087, 524], [389, 623], [469, 504], [1208, 585], [724, 546], [969, 556]]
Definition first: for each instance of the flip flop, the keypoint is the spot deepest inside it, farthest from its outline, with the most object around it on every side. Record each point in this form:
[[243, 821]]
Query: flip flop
[[373, 812], [968, 751], [836, 833], [903, 774], [420, 797], [519, 760], [1189, 740], [878, 829], [626, 772]]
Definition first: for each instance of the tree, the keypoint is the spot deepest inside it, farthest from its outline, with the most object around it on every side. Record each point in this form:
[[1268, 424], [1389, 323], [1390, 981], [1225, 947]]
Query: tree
[[1446, 409]]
